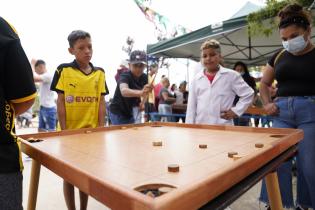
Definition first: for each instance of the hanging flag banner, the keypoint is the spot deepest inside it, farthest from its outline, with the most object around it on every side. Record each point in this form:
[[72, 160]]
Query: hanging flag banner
[[164, 27]]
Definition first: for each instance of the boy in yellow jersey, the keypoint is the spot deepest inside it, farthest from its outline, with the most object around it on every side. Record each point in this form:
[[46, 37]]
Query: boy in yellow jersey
[[17, 93], [81, 88]]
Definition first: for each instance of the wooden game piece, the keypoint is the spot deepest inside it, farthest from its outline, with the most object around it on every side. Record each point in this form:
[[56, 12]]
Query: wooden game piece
[[231, 154], [157, 143], [173, 168], [149, 193], [164, 190], [203, 146], [156, 126], [277, 135], [33, 140], [259, 145], [236, 157]]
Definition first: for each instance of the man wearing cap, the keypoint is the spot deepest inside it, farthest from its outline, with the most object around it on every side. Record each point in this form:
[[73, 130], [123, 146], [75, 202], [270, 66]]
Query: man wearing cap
[[131, 86]]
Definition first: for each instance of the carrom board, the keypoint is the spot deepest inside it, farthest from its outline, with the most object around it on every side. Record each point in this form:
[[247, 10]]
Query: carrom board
[[120, 167]]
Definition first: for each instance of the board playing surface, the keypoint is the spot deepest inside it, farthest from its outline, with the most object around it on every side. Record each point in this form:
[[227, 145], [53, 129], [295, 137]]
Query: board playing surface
[[110, 163]]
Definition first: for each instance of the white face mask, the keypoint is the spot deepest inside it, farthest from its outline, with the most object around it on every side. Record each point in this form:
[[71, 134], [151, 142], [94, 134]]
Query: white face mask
[[295, 45]]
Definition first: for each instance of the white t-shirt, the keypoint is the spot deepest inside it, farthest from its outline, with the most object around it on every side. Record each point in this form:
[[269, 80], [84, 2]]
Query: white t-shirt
[[179, 97], [46, 96]]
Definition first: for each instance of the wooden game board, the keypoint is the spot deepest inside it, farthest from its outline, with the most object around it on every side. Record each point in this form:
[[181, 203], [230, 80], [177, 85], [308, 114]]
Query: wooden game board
[[110, 163]]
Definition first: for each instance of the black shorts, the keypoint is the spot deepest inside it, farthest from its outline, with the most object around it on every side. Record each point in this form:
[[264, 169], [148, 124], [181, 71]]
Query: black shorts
[[11, 191]]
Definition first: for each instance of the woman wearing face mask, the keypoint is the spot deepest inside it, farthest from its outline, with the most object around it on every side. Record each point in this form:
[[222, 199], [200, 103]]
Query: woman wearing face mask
[[294, 106], [241, 68]]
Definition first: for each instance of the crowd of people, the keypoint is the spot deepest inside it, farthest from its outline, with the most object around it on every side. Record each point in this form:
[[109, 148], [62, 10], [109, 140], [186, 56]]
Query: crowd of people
[[75, 96]]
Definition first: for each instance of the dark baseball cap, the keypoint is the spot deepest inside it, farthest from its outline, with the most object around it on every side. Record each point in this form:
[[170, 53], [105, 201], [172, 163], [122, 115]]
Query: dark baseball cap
[[183, 83], [138, 56]]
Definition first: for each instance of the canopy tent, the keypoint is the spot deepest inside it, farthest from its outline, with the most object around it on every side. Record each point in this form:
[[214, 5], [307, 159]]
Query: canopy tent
[[236, 43], [248, 8]]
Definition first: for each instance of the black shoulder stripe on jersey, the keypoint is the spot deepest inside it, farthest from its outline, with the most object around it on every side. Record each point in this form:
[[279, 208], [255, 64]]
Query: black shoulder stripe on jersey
[[99, 68], [106, 89], [65, 65], [55, 79]]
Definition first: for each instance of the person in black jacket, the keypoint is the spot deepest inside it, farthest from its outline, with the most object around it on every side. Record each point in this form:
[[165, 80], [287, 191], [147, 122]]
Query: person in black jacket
[[241, 68]]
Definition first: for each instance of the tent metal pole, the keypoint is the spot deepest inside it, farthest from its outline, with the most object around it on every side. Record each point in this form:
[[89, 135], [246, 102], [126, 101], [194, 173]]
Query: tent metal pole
[[311, 6], [187, 70], [249, 44], [233, 44]]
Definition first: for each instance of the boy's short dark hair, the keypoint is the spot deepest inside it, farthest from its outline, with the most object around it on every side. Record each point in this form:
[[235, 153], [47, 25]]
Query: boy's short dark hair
[[76, 35], [39, 62]]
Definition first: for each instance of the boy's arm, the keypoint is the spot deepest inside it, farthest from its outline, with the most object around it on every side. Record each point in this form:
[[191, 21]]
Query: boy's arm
[[246, 94], [168, 98], [44, 78], [22, 107], [37, 78], [61, 110], [191, 105], [16, 63], [127, 92], [101, 112], [265, 93]]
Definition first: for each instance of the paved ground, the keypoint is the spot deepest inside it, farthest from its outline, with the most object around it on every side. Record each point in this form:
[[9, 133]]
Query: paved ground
[[50, 194]]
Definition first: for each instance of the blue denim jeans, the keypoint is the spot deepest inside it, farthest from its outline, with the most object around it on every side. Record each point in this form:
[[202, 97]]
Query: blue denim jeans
[[136, 114], [120, 120], [297, 112], [47, 118], [241, 121], [165, 109]]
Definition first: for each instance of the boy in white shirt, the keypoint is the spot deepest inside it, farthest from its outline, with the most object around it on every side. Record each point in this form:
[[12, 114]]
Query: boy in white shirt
[[213, 90], [47, 111]]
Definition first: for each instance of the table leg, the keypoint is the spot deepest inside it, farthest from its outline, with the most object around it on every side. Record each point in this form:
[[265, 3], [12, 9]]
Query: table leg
[[274, 191], [32, 194]]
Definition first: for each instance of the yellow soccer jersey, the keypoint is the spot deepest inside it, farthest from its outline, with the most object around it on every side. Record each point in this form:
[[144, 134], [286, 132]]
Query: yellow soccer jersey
[[82, 94]]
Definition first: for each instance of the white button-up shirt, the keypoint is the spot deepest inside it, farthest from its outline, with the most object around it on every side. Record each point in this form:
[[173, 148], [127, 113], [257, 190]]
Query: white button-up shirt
[[207, 100]]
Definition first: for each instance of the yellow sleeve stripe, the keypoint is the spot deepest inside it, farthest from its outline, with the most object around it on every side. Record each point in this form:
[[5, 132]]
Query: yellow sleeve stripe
[[21, 100], [12, 27]]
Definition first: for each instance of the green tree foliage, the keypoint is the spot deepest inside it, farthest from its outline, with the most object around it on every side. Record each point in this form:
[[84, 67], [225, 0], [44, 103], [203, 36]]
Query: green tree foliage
[[256, 20]]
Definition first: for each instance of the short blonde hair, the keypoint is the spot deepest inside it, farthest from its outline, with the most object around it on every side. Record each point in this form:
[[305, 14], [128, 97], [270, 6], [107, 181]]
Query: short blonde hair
[[211, 44]]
